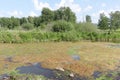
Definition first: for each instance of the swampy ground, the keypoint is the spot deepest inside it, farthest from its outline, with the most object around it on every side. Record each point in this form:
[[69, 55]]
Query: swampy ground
[[93, 56]]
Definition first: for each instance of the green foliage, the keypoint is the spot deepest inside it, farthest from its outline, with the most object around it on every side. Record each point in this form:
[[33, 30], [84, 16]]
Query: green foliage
[[42, 27], [9, 37], [15, 22], [104, 78], [6, 37], [27, 26], [30, 19], [26, 36], [103, 22], [86, 27], [47, 15], [23, 20], [65, 13], [13, 73], [62, 26], [88, 19], [115, 20], [37, 36], [112, 23], [5, 22], [71, 36], [37, 21], [59, 25]]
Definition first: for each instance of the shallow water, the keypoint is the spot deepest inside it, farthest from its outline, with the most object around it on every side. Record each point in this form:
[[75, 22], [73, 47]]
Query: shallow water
[[75, 57], [54, 74], [36, 69]]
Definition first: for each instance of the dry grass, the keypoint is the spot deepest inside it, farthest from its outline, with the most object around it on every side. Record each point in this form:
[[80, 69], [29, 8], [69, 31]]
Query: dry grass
[[93, 56]]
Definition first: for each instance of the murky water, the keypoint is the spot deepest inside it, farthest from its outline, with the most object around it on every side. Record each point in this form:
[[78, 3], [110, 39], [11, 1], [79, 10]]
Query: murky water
[[37, 69], [97, 74], [76, 57]]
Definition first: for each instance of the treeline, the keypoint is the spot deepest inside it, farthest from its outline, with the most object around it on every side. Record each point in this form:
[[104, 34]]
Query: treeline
[[47, 16], [59, 25], [64, 13]]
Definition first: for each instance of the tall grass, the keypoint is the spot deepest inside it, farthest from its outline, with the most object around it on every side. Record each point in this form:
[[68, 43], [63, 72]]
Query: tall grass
[[38, 36]]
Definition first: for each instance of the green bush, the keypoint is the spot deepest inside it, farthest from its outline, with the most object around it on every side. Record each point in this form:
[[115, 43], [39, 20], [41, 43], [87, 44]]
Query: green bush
[[26, 36], [27, 26], [70, 36], [39, 36], [6, 37], [62, 26], [86, 27]]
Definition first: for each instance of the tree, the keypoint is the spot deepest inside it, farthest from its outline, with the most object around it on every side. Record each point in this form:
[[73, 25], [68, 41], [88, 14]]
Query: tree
[[65, 13], [6, 22], [30, 19], [37, 21], [103, 22], [47, 15], [62, 26], [23, 20], [27, 26], [15, 22], [115, 20], [88, 19]]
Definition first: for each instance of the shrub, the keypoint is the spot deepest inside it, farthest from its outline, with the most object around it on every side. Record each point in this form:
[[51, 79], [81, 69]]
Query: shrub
[[26, 36], [62, 26], [86, 27], [6, 37], [27, 26], [39, 36], [70, 36]]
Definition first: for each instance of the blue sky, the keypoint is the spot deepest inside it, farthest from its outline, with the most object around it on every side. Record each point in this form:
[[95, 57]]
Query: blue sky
[[20, 8]]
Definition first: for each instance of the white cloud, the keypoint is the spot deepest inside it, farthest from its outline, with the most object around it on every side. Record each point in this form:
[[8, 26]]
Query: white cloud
[[69, 3], [33, 14], [95, 16], [88, 8], [1, 14], [107, 12], [103, 5], [40, 5], [75, 7], [15, 13]]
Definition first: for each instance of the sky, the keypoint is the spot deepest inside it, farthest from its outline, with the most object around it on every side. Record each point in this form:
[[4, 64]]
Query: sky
[[24, 8]]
